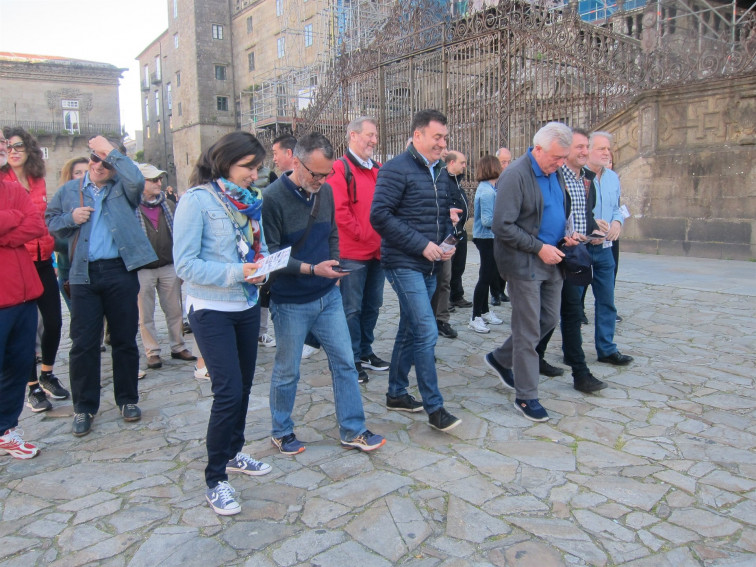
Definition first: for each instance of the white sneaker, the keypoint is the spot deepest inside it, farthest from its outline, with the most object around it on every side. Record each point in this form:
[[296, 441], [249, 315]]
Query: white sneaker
[[478, 325], [308, 351], [201, 373], [266, 340], [491, 318]]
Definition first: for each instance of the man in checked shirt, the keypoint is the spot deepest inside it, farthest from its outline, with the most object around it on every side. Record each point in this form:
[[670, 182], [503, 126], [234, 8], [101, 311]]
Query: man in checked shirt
[[579, 182]]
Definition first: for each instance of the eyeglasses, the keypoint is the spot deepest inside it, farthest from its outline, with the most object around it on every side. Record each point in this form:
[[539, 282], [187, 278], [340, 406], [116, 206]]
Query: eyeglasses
[[17, 147], [97, 159], [316, 176]]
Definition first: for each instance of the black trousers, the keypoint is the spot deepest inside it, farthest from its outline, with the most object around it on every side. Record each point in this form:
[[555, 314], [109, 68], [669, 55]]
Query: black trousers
[[112, 291], [49, 310], [487, 274], [458, 262]]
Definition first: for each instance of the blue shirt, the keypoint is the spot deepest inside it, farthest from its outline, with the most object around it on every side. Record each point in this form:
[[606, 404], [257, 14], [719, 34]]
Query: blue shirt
[[102, 246], [607, 197], [552, 218]]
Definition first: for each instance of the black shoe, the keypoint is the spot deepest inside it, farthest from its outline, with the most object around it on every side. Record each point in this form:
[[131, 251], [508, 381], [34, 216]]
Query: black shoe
[[82, 424], [505, 374], [374, 363], [186, 328], [362, 376], [547, 369], [446, 330], [130, 412], [584, 320], [37, 401], [452, 309], [617, 358], [619, 319], [183, 355], [588, 383], [495, 301], [504, 298], [403, 403], [462, 303], [51, 385], [37, 359], [443, 420], [102, 348]]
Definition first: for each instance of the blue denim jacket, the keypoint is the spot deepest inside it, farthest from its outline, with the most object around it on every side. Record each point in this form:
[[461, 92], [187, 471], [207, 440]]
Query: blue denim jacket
[[120, 199], [485, 197], [204, 247]]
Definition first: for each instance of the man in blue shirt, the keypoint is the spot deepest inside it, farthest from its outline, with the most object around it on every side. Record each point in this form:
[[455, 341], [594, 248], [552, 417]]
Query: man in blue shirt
[[531, 209], [106, 246]]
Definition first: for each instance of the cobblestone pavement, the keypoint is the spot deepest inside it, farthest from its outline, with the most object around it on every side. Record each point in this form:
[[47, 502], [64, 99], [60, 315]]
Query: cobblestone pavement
[[657, 470]]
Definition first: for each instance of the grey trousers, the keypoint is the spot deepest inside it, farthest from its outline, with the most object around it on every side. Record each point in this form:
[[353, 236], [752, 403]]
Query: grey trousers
[[168, 287], [440, 299], [535, 312]]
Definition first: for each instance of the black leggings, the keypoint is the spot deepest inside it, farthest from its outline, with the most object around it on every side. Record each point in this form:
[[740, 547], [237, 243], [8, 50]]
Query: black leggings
[[49, 309], [486, 275]]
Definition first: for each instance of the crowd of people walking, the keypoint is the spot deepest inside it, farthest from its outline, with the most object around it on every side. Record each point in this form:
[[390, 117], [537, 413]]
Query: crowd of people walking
[[112, 238]]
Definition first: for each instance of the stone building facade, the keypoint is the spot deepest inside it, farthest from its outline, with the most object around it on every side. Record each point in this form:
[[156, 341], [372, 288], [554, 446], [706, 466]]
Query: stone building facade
[[62, 102]]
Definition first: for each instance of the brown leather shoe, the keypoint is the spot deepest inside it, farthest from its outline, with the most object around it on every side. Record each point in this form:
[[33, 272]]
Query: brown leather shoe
[[183, 355], [154, 361]]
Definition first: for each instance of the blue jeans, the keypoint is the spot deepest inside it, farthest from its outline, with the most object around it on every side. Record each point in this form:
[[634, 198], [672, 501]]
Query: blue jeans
[[228, 342], [362, 295], [416, 337], [603, 293], [325, 318], [18, 327]]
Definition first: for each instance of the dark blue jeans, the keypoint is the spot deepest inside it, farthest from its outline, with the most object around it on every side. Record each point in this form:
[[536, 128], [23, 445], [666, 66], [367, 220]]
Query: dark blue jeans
[[362, 296], [228, 342], [112, 291], [18, 327]]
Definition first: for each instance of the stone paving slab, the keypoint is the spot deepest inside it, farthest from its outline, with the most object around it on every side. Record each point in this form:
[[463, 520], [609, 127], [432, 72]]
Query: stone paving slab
[[657, 470]]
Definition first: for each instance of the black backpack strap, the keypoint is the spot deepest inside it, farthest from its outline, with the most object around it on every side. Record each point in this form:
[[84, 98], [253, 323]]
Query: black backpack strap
[[350, 182]]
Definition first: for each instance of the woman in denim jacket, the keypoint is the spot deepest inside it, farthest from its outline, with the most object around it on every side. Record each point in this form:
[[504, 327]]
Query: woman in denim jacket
[[217, 244], [489, 169]]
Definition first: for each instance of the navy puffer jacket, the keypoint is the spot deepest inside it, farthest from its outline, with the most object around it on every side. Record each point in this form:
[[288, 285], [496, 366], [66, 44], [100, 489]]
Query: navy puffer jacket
[[410, 208]]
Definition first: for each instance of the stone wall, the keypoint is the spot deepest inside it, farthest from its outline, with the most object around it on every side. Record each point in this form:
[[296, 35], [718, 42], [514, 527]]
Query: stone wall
[[687, 161]]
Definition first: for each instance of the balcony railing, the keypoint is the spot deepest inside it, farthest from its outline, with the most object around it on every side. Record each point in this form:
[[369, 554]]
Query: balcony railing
[[57, 128]]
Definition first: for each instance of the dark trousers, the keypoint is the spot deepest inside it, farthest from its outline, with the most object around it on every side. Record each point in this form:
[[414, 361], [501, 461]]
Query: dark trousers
[[228, 342], [458, 262], [18, 327], [487, 275], [112, 291], [49, 309]]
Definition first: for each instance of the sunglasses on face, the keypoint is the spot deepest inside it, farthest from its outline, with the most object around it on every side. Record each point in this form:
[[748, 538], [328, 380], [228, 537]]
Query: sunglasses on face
[[94, 158], [18, 147]]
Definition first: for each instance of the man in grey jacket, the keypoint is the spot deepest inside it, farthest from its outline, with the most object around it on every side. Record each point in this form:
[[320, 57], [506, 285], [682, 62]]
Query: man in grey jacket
[[106, 247], [532, 206]]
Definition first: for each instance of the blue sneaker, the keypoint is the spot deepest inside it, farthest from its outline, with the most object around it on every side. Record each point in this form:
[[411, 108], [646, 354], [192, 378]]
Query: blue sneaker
[[505, 374], [365, 441], [243, 463], [221, 499], [532, 409], [289, 444]]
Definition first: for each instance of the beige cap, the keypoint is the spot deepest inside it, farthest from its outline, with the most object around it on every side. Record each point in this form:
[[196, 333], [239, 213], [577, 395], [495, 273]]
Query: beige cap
[[150, 171]]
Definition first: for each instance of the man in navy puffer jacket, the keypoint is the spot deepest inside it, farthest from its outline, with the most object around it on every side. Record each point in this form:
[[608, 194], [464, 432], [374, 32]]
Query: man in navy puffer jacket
[[411, 213]]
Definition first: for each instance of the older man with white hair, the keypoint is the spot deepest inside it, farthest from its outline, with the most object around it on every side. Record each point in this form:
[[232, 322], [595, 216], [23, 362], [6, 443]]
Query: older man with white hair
[[532, 206]]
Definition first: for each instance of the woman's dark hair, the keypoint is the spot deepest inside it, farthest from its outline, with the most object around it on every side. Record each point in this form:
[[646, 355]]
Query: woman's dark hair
[[66, 173], [216, 161], [35, 165], [488, 168]]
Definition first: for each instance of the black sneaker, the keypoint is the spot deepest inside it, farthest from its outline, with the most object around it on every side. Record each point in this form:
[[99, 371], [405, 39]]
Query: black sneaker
[[588, 383], [584, 320], [443, 420], [37, 401], [547, 369], [82, 424], [504, 298], [186, 328], [403, 403], [130, 412], [375, 363], [505, 374], [446, 330], [362, 376], [495, 301], [52, 386]]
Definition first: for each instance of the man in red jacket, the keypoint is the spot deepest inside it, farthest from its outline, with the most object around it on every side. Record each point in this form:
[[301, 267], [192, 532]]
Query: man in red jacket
[[19, 289], [353, 184]]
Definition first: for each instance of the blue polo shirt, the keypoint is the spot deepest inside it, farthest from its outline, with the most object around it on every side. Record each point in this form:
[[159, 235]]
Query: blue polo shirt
[[552, 219]]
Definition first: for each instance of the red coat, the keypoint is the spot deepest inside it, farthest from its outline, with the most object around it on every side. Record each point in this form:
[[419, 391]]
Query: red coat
[[19, 223], [358, 240], [39, 248]]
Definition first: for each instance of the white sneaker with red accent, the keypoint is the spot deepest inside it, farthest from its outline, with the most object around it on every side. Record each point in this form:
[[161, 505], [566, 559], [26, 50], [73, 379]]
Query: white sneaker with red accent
[[12, 443]]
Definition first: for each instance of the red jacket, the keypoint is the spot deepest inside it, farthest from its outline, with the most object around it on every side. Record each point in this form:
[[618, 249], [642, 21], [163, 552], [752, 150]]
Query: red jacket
[[19, 223], [357, 238], [39, 248]]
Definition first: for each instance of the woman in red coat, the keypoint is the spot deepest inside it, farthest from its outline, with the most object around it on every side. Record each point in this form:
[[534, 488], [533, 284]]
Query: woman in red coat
[[26, 166]]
